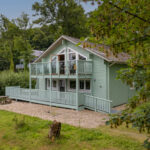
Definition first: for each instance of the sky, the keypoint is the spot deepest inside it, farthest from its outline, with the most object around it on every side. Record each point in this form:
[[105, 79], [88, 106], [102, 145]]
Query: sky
[[13, 8]]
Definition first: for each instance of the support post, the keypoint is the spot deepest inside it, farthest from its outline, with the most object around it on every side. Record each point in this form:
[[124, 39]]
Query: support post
[[30, 83], [50, 70], [36, 69], [77, 86], [66, 62], [42, 69]]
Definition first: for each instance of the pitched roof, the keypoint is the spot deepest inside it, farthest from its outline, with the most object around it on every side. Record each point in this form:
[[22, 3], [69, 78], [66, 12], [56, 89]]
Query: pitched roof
[[120, 58]]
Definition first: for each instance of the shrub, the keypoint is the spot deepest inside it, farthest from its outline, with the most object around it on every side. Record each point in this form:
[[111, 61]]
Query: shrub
[[8, 78]]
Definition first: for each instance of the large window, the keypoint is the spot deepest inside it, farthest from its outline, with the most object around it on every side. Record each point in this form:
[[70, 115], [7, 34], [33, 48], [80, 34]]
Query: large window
[[81, 84], [72, 84], [85, 85], [54, 84], [72, 56]]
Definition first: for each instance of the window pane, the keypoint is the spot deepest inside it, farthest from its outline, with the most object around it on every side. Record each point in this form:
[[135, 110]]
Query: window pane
[[81, 57], [48, 82], [72, 56], [54, 83], [72, 84], [81, 84], [88, 85], [54, 58], [70, 51], [62, 52]]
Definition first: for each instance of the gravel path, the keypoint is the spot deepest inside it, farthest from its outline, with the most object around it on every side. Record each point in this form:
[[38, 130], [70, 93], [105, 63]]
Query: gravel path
[[85, 118]]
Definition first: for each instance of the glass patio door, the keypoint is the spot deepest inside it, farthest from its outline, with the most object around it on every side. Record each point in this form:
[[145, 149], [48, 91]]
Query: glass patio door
[[61, 59]]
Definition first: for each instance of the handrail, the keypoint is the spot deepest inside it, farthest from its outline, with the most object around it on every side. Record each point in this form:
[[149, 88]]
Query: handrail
[[61, 61], [43, 68], [103, 99]]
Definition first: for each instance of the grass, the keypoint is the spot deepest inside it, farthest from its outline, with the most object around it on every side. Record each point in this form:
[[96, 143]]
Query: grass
[[32, 134]]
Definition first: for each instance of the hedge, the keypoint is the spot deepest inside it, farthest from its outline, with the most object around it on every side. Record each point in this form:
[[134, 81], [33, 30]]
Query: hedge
[[8, 78]]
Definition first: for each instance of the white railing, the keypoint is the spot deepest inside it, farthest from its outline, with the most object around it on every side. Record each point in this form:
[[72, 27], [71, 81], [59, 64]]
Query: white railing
[[85, 67], [97, 104], [55, 98], [67, 98], [61, 67]]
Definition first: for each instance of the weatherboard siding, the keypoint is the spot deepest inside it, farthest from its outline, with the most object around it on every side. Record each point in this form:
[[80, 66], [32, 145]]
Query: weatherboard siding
[[99, 77], [41, 83], [119, 92]]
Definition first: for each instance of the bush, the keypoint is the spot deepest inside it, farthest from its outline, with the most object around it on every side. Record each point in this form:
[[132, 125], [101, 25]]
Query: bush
[[8, 78]]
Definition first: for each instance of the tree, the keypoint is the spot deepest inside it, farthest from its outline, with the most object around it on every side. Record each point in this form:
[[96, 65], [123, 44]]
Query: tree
[[125, 27], [67, 16], [41, 38], [8, 31], [14, 41], [22, 43]]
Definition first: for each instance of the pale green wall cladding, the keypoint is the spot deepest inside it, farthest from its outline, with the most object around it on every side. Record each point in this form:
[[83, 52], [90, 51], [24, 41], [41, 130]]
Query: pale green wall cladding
[[119, 92], [41, 83], [99, 77]]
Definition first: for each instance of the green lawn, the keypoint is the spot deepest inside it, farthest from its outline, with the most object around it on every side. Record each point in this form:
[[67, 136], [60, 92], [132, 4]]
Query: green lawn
[[34, 136]]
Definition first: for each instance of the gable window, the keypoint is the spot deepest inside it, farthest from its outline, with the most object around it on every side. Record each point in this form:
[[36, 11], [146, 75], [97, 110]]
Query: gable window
[[72, 84], [72, 56], [62, 52], [82, 57]]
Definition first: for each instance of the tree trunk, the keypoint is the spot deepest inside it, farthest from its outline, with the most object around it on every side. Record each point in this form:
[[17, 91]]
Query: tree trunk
[[11, 62], [55, 130]]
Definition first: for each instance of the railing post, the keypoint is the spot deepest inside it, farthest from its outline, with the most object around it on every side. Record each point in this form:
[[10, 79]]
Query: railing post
[[95, 104], [50, 68], [36, 69], [42, 69], [109, 109], [77, 86], [30, 86]]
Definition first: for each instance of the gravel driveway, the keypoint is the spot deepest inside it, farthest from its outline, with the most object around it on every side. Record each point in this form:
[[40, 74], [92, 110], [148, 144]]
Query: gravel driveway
[[84, 118]]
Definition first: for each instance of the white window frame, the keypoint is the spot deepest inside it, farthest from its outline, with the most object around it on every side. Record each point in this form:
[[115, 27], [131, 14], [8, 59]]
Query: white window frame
[[68, 85], [60, 52], [80, 90], [77, 54], [73, 51], [85, 90], [55, 88], [46, 82]]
